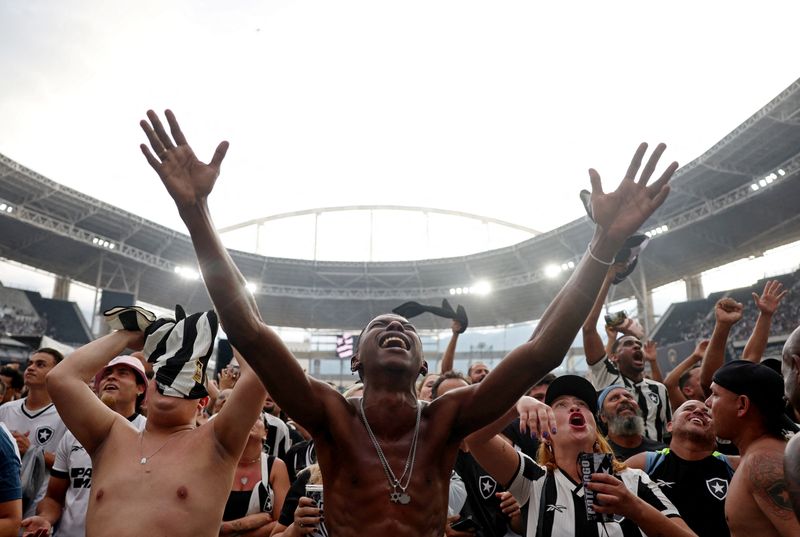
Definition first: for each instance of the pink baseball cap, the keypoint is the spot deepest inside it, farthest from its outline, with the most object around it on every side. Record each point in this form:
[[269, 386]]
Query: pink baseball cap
[[130, 361]]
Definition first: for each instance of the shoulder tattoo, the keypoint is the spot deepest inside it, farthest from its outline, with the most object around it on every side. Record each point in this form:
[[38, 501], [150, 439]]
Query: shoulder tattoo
[[765, 472]]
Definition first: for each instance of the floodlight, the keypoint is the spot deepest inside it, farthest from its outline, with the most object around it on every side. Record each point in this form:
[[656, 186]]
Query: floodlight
[[187, 272], [251, 287], [781, 172], [452, 290], [482, 288], [762, 183], [754, 186], [552, 271], [571, 264]]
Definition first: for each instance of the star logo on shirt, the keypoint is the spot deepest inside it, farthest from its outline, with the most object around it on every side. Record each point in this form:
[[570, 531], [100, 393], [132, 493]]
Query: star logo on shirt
[[487, 485], [43, 434], [718, 487]]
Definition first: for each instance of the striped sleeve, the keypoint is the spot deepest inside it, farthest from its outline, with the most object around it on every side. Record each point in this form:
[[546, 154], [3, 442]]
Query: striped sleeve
[[604, 374], [527, 474]]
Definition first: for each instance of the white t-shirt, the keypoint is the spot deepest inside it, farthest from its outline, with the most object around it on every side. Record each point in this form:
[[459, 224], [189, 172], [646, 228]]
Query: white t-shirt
[[44, 428], [73, 463]]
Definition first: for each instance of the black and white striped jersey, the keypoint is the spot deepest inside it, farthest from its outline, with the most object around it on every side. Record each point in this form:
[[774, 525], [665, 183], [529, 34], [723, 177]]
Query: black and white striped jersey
[[560, 502]]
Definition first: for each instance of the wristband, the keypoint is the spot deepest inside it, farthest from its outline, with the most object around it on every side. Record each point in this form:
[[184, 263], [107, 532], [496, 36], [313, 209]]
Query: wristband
[[606, 263]]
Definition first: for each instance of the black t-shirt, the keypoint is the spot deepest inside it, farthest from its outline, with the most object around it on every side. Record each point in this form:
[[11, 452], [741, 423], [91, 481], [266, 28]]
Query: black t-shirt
[[296, 491], [482, 504], [299, 457], [697, 488], [522, 442], [622, 453]]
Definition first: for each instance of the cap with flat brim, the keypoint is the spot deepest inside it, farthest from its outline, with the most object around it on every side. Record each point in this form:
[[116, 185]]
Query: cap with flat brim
[[575, 386]]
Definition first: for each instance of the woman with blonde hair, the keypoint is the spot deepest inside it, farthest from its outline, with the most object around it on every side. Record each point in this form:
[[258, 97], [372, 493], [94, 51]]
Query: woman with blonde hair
[[554, 488]]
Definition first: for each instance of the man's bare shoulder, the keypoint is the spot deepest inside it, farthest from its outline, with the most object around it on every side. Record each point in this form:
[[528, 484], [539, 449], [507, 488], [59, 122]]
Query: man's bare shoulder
[[762, 470]]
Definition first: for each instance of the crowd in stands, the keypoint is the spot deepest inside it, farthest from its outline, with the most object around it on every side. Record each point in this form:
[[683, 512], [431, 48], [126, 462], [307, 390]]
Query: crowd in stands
[[14, 322], [132, 435], [695, 321]]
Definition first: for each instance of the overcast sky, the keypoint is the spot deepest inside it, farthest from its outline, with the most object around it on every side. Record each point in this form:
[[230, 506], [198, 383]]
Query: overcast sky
[[494, 108]]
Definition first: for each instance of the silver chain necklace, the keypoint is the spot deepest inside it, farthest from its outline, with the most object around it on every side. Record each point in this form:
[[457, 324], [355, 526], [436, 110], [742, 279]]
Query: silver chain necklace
[[144, 459], [397, 490]]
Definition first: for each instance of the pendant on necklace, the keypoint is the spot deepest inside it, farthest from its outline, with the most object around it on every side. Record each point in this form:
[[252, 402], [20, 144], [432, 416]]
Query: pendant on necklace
[[400, 497], [243, 480], [143, 461]]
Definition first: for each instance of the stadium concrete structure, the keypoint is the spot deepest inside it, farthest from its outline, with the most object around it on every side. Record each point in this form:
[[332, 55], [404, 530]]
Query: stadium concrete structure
[[737, 199]]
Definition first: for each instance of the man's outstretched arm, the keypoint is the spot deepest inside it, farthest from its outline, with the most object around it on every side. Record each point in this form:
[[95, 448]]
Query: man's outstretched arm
[[727, 312], [593, 347], [190, 182], [449, 355], [618, 215], [672, 380], [767, 303], [234, 421]]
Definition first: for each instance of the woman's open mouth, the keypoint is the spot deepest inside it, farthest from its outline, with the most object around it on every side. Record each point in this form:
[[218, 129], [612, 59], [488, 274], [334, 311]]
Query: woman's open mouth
[[576, 419]]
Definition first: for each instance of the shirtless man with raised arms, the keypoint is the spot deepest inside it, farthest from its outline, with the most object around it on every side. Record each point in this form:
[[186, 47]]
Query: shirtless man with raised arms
[[171, 479], [367, 491]]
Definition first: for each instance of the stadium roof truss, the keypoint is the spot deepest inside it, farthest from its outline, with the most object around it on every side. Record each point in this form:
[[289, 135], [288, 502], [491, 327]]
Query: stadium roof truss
[[737, 199]]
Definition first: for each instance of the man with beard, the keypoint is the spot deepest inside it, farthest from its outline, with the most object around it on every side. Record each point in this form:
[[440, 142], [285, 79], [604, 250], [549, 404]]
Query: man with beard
[[121, 385], [625, 365], [363, 444], [747, 405], [477, 372], [622, 417], [690, 472]]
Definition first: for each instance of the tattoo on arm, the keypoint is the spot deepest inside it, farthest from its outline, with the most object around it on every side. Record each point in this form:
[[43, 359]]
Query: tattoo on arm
[[766, 477]]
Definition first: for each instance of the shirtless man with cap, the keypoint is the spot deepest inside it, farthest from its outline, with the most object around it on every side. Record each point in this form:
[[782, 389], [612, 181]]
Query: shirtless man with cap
[[746, 404], [364, 444], [172, 478]]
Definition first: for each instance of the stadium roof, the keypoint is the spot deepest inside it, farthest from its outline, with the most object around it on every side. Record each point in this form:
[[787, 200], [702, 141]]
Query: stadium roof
[[737, 199]]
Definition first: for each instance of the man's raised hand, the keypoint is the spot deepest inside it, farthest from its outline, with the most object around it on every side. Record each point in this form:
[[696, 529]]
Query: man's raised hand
[[187, 179], [620, 213], [728, 311], [771, 298]]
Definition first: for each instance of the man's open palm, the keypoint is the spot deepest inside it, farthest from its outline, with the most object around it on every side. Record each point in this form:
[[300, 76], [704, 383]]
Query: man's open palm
[[187, 179]]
